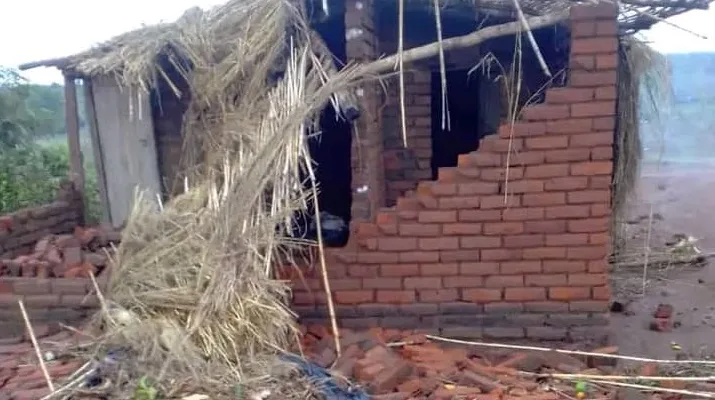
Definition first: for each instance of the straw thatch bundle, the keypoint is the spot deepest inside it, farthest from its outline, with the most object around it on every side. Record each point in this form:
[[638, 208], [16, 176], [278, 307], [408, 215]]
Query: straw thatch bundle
[[643, 90], [191, 294]]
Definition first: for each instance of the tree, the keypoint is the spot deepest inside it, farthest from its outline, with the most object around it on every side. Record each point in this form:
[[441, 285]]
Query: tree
[[17, 122]]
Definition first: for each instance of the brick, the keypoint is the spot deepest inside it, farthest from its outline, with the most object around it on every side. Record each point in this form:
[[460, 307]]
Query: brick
[[504, 333], [523, 241], [565, 95], [569, 293], [545, 112], [547, 226], [419, 229], [494, 144], [396, 296], [459, 203], [540, 253], [345, 284], [460, 308], [549, 307], [592, 168], [462, 229], [503, 228], [570, 239], [500, 254], [525, 294], [306, 298], [438, 295], [472, 188], [607, 62], [458, 255], [592, 225], [441, 188], [437, 216], [441, 269], [423, 283], [478, 268], [355, 296], [545, 280], [600, 182], [395, 270], [523, 186], [481, 295], [594, 45], [463, 281], [582, 62], [567, 155], [589, 306], [607, 28], [602, 293], [496, 202], [519, 267], [419, 257], [547, 171], [587, 253], [589, 196], [572, 125], [396, 244], [42, 300], [547, 142], [479, 215], [522, 129], [501, 174], [501, 281], [379, 283], [443, 243], [587, 279], [607, 93], [600, 210], [524, 158], [418, 309], [566, 183], [572, 211], [581, 29], [31, 286], [593, 109], [593, 11], [484, 159], [593, 79], [554, 266], [374, 257], [602, 153], [544, 199], [362, 271]]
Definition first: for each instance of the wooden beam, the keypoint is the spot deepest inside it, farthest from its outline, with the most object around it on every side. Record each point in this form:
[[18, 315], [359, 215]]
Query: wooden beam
[[473, 39], [72, 127], [97, 149]]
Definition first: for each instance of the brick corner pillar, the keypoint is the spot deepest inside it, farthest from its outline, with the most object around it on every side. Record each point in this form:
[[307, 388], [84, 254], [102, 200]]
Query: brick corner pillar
[[367, 165]]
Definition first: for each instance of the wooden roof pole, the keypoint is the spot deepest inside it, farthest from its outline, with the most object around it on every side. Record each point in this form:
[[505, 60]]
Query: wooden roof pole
[[76, 175]]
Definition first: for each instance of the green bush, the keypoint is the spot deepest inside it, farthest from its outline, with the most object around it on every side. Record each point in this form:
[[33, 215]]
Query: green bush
[[30, 175]]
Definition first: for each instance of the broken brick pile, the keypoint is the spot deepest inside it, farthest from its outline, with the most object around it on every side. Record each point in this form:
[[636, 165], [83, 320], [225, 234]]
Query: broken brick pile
[[64, 256], [402, 365], [20, 375]]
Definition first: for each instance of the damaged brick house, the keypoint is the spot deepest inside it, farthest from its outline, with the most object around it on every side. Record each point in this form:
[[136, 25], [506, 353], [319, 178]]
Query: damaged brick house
[[475, 220]]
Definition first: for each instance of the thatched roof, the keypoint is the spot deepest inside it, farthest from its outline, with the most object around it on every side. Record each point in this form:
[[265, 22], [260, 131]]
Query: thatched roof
[[635, 15]]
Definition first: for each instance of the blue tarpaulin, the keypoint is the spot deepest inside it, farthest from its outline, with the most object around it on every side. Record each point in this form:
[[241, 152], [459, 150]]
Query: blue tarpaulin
[[325, 381]]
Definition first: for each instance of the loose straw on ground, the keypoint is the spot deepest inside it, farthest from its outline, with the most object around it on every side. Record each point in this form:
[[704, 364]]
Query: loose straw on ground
[[646, 249], [569, 352], [36, 346]]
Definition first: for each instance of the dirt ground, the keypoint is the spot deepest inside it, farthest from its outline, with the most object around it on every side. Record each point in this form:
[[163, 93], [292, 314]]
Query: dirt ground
[[681, 197]]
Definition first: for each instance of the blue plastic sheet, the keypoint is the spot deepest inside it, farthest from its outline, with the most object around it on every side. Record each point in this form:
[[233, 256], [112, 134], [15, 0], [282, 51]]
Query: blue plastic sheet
[[325, 381]]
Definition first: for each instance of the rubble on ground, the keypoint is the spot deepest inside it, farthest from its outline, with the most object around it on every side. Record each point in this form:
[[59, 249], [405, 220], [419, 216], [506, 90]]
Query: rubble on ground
[[65, 256]]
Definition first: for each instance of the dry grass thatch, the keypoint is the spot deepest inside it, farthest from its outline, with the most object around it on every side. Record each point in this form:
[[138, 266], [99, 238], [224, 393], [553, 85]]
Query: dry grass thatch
[[191, 297], [643, 88]]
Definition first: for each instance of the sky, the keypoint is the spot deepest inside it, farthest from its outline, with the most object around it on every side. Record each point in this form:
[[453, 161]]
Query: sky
[[32, 30]]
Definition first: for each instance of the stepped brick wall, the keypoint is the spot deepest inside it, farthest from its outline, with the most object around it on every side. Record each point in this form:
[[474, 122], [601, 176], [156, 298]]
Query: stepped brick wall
[[477, 253], [19, 231]]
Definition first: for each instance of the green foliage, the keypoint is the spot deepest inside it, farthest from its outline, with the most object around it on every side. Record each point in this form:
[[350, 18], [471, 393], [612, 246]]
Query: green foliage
[[32, 162], [30, 175]]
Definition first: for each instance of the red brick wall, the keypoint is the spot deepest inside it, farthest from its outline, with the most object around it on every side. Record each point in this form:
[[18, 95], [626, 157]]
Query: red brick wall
[[20, 230], [475, 255], [404, 166]]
